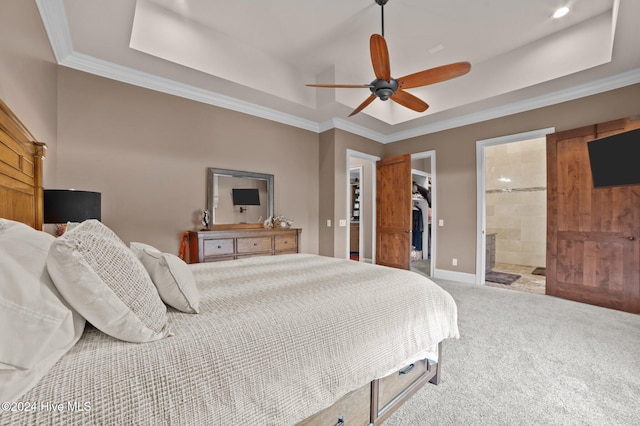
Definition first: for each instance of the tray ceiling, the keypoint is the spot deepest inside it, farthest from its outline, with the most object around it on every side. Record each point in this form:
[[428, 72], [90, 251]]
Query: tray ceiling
[[256, 57]]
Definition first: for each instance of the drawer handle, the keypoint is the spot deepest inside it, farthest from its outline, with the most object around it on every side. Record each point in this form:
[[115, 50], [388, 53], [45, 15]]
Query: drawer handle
[[406, 370], [219, 246], [255, 244], [340, 421]]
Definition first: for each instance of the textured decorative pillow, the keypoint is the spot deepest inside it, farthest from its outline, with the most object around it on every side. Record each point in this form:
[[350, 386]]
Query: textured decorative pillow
[[172, 277], [102, 279], [37, 327]]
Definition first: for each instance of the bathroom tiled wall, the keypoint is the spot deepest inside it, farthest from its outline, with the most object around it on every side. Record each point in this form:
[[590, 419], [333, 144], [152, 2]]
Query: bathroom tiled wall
[[516, 179]]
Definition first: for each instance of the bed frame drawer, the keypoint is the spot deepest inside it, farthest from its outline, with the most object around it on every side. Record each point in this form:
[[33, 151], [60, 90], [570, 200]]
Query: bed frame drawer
[[394, 384], [376, 401], [352, 409]]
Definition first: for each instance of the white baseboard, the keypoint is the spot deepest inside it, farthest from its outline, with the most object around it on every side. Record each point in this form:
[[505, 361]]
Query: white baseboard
[[462, 277]]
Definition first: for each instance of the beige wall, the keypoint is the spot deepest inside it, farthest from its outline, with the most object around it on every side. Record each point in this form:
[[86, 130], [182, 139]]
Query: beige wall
[[456, 162], [28, 74], [148, 153], [327, 179], [337, 175]]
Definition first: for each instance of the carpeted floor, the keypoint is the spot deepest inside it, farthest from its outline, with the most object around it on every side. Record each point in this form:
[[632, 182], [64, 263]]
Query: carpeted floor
[[530, 359]]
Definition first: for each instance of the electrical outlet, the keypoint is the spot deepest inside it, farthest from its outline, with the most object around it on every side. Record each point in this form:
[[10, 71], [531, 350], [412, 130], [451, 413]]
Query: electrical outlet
[[441, 222], [328, 223], [454, 262], [343, 222]]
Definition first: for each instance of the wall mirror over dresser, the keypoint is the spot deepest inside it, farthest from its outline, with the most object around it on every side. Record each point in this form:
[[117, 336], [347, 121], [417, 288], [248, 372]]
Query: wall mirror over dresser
[[234, 196], [239, 203]]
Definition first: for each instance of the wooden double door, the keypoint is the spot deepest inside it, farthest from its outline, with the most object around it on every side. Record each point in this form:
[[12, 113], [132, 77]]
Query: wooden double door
[[593, 234]]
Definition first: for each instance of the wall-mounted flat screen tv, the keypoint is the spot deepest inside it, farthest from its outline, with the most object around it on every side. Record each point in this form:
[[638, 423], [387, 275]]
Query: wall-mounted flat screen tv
[[246, 197], [615, 160]]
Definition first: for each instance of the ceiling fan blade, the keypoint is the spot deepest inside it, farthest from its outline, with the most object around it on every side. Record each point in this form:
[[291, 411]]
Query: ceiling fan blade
[[341, 86], [380, 57], [406, 99], [363, 105], [434, 75]]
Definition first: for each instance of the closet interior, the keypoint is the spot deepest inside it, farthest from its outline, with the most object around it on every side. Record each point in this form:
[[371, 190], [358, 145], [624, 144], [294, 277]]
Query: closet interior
[[421, 216]]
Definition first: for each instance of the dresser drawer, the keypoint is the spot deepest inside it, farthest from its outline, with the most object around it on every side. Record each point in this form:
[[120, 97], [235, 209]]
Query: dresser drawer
[[394, 384], [254, 244], [286, 242], [352, 409], [218, 247]]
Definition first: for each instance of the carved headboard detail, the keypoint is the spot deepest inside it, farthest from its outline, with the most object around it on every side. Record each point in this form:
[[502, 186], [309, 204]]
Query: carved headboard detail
[[21, 157]]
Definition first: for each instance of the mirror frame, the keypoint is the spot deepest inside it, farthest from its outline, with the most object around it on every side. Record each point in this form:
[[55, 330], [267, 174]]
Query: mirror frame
[[212, 171]]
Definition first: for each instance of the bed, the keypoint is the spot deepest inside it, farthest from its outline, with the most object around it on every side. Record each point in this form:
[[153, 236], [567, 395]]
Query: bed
[[287, 339]]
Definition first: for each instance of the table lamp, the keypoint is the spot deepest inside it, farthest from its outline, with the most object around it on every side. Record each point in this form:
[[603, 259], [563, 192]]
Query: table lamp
[[68, 205]]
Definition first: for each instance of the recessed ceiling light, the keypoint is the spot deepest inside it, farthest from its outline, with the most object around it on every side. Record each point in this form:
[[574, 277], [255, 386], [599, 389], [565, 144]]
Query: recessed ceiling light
[[561, 12]]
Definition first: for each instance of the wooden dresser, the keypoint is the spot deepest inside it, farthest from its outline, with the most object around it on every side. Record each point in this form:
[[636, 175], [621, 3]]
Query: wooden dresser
[[226, 244]]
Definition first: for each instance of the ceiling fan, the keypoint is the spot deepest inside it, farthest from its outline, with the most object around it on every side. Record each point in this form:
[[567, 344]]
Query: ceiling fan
[[385, 87]]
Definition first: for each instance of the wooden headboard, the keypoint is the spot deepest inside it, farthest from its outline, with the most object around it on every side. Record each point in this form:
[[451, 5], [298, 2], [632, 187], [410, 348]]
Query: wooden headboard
[[21, 196]]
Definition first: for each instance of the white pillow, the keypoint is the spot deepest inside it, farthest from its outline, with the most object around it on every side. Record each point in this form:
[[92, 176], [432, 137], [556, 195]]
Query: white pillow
[[102, 279], [172, 277], [37, 327]]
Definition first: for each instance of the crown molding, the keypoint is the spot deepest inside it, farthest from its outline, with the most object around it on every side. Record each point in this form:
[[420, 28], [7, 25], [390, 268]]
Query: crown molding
[[347, 126], [55, 22], [128, 75]]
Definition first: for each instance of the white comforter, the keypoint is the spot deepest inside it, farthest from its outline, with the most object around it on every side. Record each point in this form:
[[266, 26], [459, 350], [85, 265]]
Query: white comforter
[[278, 339]]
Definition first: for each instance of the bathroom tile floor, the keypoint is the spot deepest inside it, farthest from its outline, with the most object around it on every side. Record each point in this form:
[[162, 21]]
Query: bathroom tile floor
[[527, 282]]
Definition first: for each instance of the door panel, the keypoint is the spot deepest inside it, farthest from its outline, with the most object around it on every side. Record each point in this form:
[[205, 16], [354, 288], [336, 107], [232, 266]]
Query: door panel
[[393, 211], [593, 234]]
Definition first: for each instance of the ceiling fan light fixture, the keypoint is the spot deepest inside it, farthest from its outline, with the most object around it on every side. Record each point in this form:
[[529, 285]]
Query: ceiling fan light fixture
[[560, 12], [385, 87], [384, 94]]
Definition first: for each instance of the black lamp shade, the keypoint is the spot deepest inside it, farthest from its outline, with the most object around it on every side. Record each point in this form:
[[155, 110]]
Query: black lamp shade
[[65, 205]]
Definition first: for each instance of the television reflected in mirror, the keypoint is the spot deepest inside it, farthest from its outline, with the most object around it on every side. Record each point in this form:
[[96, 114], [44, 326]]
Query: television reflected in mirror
[[245, 196], [239, 197]]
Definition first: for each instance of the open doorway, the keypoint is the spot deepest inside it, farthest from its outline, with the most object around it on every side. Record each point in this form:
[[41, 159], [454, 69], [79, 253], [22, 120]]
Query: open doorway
[[423, 199], [355, 236], [512, 211], [361, 209]]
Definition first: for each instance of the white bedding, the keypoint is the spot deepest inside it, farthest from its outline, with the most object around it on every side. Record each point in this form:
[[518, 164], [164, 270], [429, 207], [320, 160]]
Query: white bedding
[[277, 339]]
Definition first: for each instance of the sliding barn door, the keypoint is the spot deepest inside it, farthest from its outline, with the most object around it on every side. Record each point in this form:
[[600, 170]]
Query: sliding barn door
[[593, 234], [393, 211]]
